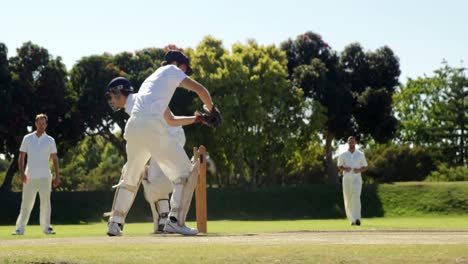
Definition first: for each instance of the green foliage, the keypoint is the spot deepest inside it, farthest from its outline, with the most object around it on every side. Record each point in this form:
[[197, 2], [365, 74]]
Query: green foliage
[[418, 198], [392, 163], [447, 173], [34, 82], [433, 112], [355, 88], [263, 113], [95, 164]]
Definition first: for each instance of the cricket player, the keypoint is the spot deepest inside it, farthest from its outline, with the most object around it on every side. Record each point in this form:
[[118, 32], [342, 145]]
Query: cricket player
[[147, 136], [38, 147], [157, 186], [352, 163]]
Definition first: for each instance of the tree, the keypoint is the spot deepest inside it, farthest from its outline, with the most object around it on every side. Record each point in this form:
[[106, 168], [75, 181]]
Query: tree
[[34, 82], [94, 164], [89, 78], [262, 112], [373, 77], [355, 88], [433, 112]]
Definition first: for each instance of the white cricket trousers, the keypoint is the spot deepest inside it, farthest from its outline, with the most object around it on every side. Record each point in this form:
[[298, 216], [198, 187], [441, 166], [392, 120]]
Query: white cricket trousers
[[147, 136], [352, 186], [30, 189]]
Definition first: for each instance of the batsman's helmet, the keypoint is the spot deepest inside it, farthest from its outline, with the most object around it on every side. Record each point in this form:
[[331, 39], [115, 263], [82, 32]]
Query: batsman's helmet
[[118, 86], [179, 57]]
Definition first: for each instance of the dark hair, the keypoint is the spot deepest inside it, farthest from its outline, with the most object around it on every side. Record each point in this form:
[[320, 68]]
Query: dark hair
[[125, 92], [179, 57]]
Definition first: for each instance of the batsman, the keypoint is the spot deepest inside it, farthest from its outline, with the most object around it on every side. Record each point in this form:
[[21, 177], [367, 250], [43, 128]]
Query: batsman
[[158, 186], [147, 135]]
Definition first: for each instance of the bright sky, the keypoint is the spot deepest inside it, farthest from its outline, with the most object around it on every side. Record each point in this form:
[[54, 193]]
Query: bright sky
[[421, 33]]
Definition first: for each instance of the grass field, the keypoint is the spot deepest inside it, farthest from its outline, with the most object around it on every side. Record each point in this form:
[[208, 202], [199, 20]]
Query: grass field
[[428, 239]]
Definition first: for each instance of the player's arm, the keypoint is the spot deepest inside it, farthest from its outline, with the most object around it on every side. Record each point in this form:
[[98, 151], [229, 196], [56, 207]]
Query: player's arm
[[21, 158], [363, 167], [199, 89], [56, 181], [173, 120]]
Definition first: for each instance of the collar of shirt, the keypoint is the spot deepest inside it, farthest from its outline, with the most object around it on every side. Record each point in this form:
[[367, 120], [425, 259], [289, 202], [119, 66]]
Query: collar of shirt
[[40, 137]]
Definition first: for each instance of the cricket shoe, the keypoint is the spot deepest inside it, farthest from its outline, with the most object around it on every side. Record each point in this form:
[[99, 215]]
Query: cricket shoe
[[49, 231], [18, 232], [114, 229], [173, 227], [160, 229]]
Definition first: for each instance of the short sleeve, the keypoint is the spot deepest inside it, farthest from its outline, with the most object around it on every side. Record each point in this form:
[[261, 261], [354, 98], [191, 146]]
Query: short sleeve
[[177, 75], [24, 145], [340, 160], [53, 147]]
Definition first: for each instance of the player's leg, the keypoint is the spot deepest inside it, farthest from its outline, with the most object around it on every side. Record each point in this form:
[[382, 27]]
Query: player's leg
[[347, 195], [177, 167], [356, 199], [136, 135], [45, 188], [27, 203], [157, 188]]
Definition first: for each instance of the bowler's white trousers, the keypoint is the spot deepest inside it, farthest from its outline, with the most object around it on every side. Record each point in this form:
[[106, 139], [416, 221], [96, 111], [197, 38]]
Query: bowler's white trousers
[[147, 137], [30, 189], [352, 186]]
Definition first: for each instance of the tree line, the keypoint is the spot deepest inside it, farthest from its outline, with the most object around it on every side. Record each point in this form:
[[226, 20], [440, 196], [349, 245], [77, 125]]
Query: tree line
[[285, 109]]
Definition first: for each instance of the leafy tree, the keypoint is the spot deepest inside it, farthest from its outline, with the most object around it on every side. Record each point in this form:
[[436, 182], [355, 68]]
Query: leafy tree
[[392, 163], [262, 113], [355, 88], [433, 112], [95, 164], [34, 82]]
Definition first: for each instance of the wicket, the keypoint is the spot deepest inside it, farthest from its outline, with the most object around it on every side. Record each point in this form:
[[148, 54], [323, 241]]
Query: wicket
[[200, 194]]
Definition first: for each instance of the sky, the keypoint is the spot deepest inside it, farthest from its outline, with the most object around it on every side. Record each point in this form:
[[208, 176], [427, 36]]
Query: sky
[[421, 33]]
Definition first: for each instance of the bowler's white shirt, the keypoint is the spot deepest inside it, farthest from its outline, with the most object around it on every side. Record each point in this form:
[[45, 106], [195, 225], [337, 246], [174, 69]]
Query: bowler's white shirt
[[129, 107], [38, 150], [353, 160], [156, 91]]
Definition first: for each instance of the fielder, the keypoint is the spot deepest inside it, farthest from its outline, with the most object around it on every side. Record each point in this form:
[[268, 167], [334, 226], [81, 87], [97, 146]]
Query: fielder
[[352, 163], [147, 136], [38, 147]]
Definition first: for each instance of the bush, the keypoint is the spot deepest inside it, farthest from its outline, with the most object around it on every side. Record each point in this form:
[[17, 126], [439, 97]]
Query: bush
[[391, 163], [446, 173]]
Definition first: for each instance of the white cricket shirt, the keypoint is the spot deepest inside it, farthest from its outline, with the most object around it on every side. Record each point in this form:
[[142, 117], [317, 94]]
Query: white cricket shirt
[[129, 107], [156, 91], [38, 150], [353, 160]]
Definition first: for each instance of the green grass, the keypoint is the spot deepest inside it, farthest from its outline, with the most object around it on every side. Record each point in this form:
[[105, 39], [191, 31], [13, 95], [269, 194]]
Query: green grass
[[225, 253], [202, 251], [222, 227]]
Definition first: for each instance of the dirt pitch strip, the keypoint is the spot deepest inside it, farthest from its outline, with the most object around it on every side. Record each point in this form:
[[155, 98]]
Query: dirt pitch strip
[[380, 237]]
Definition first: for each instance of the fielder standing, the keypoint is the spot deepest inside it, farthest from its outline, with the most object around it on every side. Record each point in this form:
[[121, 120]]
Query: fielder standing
[[352, 163], [38, 147], [147, 136]]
